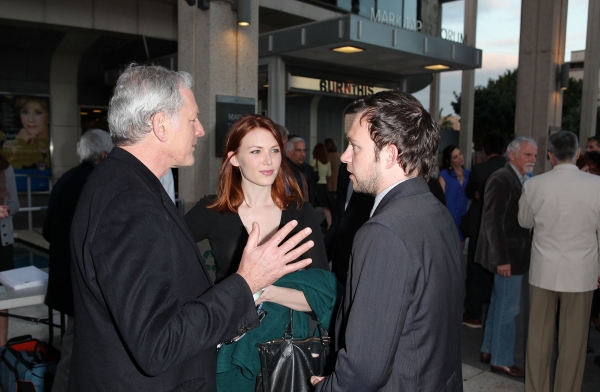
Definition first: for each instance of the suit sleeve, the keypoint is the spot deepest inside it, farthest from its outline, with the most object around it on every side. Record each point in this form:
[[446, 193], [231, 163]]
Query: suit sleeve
[[138, 279], [525, 213], [380, 267], [308, 218], [494, 207], [198, 220]]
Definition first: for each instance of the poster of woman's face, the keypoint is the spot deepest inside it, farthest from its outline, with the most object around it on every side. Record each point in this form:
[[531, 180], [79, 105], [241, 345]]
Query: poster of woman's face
[[25, 134]]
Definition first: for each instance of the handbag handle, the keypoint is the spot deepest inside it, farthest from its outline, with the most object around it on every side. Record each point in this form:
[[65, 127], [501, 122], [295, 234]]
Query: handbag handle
[[289, 329]]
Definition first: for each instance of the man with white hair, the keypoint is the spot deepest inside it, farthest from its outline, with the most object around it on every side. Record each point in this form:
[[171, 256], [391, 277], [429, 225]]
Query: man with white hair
[[148, 315], [563, 208], [503, 248], [93, 147]]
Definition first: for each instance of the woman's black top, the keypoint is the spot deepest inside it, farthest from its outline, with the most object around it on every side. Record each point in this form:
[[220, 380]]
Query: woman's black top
[[228, 236]]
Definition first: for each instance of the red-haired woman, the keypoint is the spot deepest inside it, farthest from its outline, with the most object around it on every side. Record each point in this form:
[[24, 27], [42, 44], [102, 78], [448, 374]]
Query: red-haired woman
[[256, 185]]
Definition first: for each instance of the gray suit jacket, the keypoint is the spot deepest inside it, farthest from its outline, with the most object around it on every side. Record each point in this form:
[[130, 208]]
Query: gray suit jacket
[[501, 239], [400, 325]]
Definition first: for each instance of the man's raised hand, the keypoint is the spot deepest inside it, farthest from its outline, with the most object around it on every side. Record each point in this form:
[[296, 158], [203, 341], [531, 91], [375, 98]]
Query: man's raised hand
[[262, 265]]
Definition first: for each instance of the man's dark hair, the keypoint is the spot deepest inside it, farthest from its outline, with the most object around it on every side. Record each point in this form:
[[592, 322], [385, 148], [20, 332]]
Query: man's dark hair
[[493, 144], [595, 139], [399, 118], [563, 145], [593, 158]]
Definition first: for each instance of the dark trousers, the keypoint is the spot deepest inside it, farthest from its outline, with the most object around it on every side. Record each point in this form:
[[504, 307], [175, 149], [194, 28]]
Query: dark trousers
[[595, 304], [478, 285]]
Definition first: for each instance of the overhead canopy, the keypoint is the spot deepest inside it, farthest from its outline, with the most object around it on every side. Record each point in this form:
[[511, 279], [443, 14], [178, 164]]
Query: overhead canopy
[[392, 57]]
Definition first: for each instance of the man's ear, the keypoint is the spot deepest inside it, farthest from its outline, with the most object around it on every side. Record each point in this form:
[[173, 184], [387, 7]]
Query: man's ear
[[232, 159], [159, 121], [391, 152]]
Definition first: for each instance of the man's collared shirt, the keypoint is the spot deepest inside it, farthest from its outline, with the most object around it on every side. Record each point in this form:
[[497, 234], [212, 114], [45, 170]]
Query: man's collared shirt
[[382, 194], [522, 178]]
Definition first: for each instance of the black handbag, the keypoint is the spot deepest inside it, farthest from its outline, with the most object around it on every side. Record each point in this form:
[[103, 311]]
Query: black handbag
[[288, 364]]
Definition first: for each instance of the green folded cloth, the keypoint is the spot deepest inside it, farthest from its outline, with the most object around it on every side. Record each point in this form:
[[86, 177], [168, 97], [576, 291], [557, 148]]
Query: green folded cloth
[[238, 363]]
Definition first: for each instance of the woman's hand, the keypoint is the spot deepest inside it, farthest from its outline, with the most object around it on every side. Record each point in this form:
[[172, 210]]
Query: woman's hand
[[4, 211], [293, 299]]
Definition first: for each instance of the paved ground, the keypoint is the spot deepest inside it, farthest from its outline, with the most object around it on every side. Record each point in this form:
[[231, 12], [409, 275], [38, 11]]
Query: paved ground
[[476, 375]]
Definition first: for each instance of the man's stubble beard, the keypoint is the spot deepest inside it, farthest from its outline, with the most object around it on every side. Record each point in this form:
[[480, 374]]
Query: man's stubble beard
[[370, 184]]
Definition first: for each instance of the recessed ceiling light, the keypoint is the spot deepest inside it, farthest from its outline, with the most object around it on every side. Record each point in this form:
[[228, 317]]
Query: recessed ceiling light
[[437, 67], [97, 111], [244, 24], [348, 49], [83, 113]]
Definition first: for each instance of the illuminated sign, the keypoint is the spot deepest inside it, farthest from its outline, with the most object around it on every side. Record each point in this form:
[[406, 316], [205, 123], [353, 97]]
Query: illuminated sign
[[331, 87], [391, 19]]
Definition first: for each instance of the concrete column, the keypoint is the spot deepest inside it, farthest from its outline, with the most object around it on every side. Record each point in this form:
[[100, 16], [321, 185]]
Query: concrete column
[[64, 106], [434, 97], [432, 23], [314, 137], [223, 59], [589, 99], [276, 80], [541, 53], [467, 96]]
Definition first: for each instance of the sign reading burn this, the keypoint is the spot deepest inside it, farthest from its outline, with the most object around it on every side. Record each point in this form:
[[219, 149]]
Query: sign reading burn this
[[331, 87]]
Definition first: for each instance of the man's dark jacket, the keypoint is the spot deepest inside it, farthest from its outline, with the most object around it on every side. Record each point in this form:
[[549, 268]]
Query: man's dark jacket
[[148, 316], [501, 239], [399, 328], [57, 226], [345, 224], [309, 174], [477, 180]]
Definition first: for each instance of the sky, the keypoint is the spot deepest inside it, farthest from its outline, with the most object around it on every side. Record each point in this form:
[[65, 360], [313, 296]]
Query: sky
[[498, 26]]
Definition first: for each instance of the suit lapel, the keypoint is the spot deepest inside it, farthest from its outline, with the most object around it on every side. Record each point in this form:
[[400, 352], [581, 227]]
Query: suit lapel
[[157, 188]]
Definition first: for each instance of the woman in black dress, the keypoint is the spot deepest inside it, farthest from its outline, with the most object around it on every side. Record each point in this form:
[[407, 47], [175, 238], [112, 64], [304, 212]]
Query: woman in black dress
[[256, 185]]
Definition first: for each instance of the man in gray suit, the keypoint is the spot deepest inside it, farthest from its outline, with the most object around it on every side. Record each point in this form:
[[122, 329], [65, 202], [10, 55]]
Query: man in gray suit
[[503, 248], [563, 208], [399, 328]]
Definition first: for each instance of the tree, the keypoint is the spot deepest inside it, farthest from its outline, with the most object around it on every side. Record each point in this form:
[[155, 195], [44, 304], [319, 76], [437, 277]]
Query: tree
[[571, 108], [494, 107]]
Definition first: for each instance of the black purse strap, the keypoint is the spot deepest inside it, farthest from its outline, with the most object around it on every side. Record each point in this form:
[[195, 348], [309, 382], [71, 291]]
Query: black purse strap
[[289, 329]]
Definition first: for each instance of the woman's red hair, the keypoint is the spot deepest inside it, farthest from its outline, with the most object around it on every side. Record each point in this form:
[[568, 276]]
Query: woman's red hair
[[230, 196]]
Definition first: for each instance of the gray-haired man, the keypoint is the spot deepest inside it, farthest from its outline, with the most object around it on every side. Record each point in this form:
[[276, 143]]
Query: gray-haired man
[[92, 148], [503, 248], [148, 316]]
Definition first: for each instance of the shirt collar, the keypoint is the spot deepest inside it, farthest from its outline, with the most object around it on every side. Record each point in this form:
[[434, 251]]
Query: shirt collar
[[522, 178], [382, 194]]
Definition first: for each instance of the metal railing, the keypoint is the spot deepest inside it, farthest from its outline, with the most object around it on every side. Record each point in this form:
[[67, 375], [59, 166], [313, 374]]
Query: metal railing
[[29, 208]]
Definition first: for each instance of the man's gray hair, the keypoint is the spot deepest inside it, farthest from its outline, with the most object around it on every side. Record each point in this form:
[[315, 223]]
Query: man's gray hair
[[92, 144], [515, 145], [291, 142], [563, 146], [141, 92]]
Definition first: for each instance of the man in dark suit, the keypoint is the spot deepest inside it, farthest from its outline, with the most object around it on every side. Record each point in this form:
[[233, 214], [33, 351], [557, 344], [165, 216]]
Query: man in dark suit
[[399, 327], [503, 248], [304, 173], [148, 316], [92, 148], [479, 280], [352, 210]]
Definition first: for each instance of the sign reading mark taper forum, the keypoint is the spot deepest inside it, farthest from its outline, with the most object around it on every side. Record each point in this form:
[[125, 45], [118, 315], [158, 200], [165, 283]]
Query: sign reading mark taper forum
[[229, 110], [331, 87], [391, 19]]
